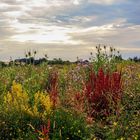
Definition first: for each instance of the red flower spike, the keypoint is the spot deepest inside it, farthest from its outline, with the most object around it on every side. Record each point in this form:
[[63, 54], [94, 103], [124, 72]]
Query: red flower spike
[[53, 87], [102, 88]]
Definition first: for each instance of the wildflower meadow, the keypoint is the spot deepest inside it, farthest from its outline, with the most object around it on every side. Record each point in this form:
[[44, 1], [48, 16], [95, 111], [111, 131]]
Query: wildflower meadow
[[98, 100]]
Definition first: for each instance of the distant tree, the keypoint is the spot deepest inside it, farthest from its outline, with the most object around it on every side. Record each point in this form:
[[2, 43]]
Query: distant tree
[[2, 64], [135, 59]]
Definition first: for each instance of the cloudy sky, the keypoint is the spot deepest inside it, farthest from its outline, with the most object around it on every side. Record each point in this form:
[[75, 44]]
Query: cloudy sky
[[68, 28]]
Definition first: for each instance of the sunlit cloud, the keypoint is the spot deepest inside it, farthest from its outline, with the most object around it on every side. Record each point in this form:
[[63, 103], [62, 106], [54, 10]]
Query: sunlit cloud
[[68, 28], [106, 2]]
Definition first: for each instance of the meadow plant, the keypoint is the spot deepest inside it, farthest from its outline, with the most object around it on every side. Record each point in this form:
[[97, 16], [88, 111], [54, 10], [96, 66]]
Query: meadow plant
[[18, 111], [42, 106], [43, 132], [52, 86], [16, 99], [103, 92], [67, 125], [105, 57]]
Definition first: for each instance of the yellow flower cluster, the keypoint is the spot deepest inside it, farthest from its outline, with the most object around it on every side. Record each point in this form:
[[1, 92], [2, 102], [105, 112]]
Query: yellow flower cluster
[[139, 76], [42, 104], [18, 100]]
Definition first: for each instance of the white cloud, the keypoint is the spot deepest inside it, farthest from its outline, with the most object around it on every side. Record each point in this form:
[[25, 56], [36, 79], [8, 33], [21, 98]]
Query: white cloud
[[104, 2], [76, 2], [42, 34], [62, 26]]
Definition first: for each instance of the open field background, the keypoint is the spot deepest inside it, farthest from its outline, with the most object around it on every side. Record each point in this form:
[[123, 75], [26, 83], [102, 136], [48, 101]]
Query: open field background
[[96, 101]]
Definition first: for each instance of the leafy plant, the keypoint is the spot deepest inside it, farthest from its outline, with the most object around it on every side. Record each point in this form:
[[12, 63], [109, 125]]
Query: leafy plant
[[103, 92], [105, 57], [68, 125]]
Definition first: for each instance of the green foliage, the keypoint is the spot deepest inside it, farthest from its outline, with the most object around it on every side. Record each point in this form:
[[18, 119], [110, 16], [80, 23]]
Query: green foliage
[[15, 126], [105, 58], [68, 125]]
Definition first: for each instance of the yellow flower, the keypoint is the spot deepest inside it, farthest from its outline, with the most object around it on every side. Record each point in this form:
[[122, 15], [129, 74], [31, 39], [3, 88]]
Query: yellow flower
[[16, 87], [136, 137], [139, 76], [17, 99], [42, 104], [115, 123], [79, 131]]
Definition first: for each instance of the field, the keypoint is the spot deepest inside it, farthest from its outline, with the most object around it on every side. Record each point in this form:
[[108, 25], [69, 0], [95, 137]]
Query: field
[[95, 101]]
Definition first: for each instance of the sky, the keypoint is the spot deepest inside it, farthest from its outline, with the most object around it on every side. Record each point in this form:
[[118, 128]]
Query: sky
[[68, 28]]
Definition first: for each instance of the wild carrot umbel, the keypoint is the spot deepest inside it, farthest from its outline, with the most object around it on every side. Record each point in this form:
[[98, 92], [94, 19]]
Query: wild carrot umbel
[[103, 92]]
